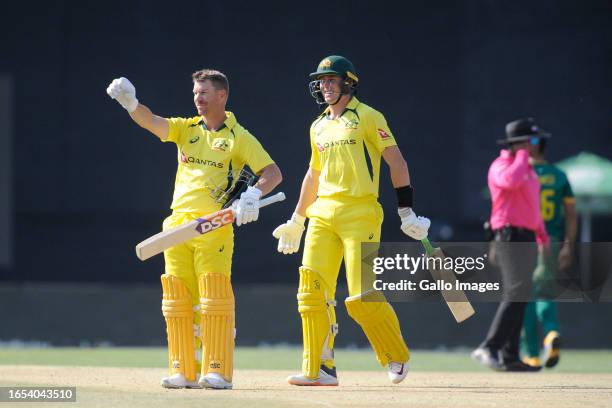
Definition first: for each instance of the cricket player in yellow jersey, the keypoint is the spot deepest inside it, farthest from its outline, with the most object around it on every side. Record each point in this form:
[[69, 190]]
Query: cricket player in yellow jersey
[[339, 195], [198, 300]]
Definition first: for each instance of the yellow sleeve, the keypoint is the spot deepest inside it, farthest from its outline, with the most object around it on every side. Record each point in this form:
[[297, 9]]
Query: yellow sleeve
[[177, 129], [315, 160], [378, 132], [251, 152]]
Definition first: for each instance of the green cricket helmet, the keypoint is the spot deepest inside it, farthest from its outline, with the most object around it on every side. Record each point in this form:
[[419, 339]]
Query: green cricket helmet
[[333, 65]]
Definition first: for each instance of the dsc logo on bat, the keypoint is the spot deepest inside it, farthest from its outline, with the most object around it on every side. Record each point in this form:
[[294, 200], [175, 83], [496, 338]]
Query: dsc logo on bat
[[215, 221]]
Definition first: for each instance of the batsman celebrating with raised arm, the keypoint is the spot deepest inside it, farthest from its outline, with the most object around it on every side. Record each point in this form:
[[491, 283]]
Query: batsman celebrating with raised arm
[[198, 300], [339, 195]]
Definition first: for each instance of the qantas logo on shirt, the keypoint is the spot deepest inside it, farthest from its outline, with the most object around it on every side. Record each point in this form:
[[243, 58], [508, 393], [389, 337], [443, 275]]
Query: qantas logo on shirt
[[324, 146], [195, 160]]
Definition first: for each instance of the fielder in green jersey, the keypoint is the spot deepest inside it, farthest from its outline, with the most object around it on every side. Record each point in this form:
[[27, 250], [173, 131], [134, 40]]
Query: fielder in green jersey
[[558, 207]]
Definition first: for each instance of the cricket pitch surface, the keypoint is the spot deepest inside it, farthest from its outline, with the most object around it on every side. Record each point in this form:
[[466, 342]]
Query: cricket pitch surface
[[139, 387]]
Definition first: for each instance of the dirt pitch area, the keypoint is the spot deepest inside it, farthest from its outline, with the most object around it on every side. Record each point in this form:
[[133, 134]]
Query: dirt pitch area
[[138, 387]]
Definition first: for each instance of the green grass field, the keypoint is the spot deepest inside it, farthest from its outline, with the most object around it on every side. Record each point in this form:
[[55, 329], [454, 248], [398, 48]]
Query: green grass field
[[283, 358]]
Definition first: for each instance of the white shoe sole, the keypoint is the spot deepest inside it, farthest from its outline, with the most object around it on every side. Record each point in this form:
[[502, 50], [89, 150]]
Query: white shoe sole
[[486, 360], [204, 383], [172, 386], [397, 378], [304, 382]]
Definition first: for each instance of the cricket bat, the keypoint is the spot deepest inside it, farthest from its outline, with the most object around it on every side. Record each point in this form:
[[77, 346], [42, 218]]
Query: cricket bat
[[457, 301], [161, 241]]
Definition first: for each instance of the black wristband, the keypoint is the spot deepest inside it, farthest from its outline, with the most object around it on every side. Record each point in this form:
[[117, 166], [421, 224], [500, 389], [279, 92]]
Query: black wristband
[[404, 196]]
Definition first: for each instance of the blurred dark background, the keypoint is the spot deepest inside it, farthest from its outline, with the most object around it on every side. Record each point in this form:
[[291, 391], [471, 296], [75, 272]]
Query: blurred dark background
[[81, 184], [87, 183]]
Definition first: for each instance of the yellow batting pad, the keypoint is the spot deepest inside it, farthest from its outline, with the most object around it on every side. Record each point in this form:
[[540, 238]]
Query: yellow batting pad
[[379, 323], [316, 307], [218, 321], [177, 308]]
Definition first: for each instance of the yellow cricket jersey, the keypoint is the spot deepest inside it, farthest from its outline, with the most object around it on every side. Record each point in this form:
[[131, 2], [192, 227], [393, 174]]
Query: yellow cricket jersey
[[206, 156], [347, 150]]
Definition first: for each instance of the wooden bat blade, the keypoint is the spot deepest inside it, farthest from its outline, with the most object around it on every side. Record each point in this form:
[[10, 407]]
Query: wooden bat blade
[[461, 310], [457, 301], [161, 241]]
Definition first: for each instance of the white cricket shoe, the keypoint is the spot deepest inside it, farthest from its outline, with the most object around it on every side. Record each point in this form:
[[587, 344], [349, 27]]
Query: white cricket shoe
[[397, 372], [488, 358], [327, 377], [215, 381], [178, 380]]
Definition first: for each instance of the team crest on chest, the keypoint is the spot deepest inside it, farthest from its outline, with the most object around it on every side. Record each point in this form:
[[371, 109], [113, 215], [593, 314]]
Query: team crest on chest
[[547, 179], [220, 144], [351, 124]]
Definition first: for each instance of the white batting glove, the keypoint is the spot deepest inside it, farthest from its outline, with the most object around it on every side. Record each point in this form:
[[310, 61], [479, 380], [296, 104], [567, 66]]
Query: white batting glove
[[247, 206], [122, 90], [413, 226], [289, 234]]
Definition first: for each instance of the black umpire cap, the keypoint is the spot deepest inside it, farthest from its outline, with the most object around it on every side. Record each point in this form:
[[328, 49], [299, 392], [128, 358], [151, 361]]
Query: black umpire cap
[[522, 130]]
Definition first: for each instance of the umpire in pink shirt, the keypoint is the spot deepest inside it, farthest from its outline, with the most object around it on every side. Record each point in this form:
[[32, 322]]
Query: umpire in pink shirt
[[515, 217]]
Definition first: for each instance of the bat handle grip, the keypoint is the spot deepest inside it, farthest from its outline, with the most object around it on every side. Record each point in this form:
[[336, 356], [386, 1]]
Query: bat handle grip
[[265, 201], [272, 199], [429, 249]]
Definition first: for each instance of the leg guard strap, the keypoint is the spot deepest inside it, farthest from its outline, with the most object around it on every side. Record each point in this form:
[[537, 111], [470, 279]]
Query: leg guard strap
[[177, 309], [217, 324], [319, 327]]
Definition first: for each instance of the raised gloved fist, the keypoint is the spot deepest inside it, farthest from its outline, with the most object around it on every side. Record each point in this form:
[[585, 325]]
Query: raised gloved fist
[[247, 206], [413, 226], [289, 234], [122, 90]]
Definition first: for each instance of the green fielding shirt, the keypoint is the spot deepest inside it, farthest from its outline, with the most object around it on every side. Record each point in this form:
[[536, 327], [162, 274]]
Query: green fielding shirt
[[555, 191]]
